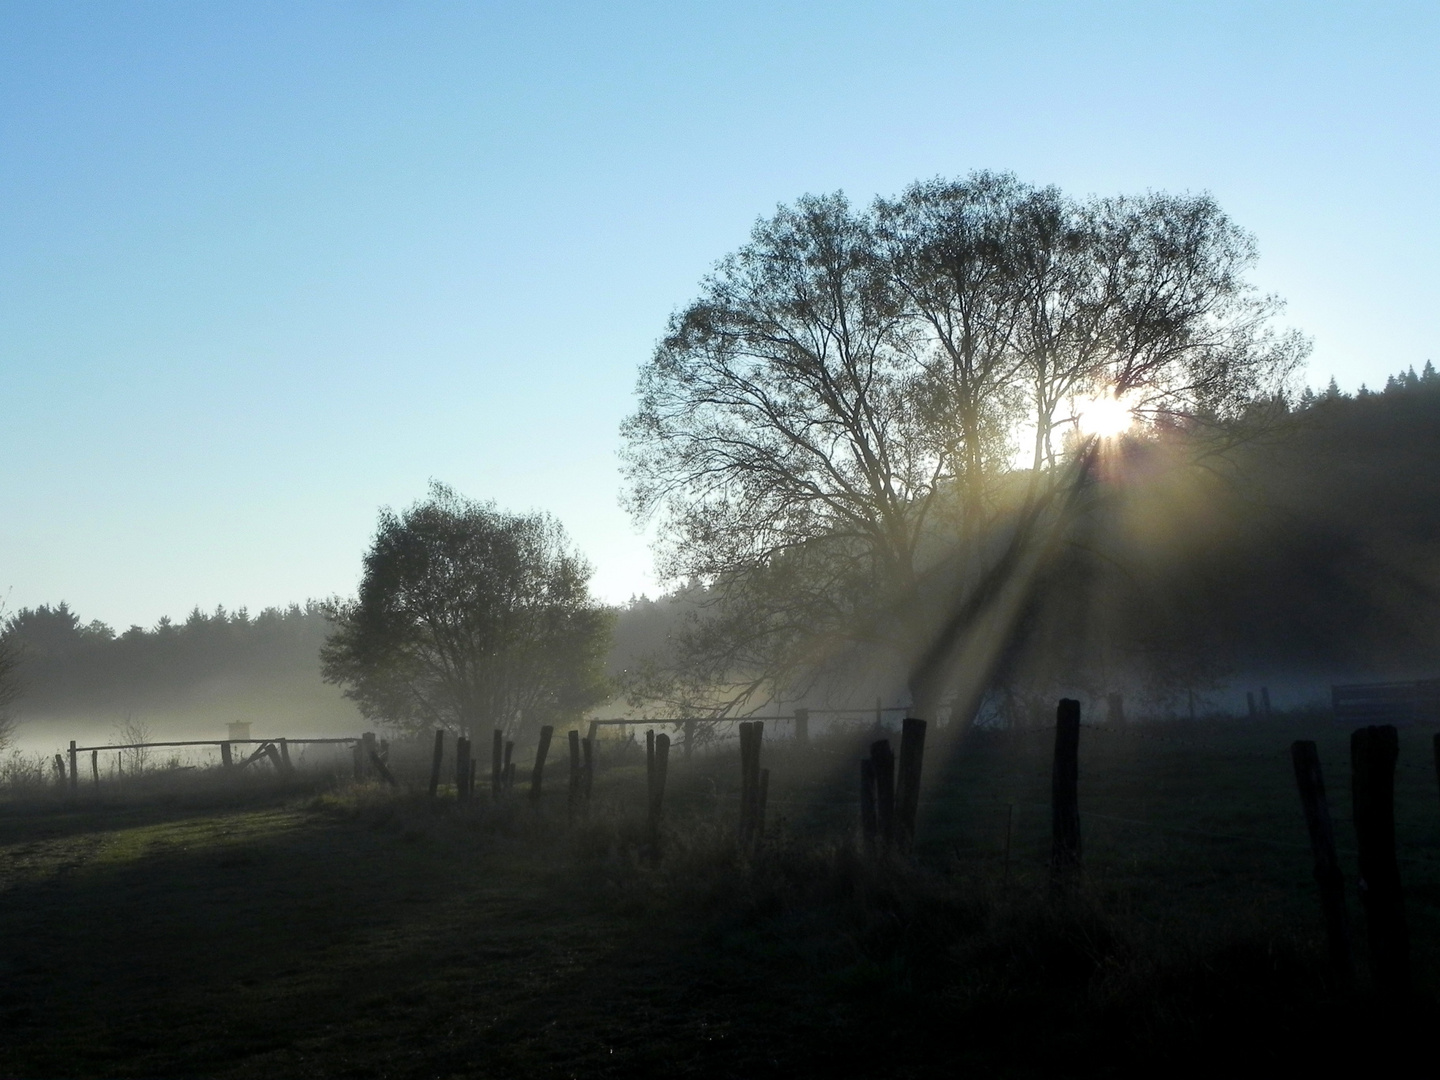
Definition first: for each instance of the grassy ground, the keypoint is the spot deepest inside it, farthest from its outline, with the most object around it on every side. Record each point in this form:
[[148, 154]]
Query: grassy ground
[[336, 930]]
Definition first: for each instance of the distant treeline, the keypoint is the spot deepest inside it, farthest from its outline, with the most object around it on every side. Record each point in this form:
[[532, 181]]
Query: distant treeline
[[69, 666]]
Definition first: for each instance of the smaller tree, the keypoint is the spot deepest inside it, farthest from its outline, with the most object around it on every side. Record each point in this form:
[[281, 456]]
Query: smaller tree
[[469, 618]]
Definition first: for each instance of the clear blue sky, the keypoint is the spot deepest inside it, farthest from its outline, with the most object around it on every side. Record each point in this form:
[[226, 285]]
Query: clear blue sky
[[267, 267]]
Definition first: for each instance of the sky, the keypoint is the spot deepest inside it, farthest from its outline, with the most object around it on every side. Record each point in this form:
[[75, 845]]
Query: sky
[[268, 267]]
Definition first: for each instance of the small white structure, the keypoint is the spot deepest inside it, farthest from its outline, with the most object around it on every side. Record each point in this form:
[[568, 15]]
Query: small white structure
[[238, 731]]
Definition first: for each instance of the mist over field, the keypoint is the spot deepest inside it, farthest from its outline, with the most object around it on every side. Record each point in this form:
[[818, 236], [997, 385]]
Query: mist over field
[[1306, 560]]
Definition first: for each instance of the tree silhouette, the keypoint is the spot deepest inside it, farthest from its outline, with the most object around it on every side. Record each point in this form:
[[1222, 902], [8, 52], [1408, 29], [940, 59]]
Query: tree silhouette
[[827, 433], [469, 618]]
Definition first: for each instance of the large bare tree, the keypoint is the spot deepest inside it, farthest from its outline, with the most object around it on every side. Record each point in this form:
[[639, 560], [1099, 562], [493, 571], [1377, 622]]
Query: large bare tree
[[829, 433]]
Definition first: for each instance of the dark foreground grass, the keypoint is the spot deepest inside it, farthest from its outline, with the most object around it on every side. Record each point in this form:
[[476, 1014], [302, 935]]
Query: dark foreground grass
[[351, 931]]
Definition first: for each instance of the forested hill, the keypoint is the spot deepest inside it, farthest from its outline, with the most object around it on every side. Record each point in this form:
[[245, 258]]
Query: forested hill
[[216, 667], [191, 676]]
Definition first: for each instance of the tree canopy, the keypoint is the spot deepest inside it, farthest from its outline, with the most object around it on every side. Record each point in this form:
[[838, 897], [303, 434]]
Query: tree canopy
[[468, 618], [831, 433]]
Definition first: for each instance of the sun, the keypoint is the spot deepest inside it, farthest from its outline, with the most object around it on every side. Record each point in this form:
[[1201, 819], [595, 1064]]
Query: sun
[[1103, 415]]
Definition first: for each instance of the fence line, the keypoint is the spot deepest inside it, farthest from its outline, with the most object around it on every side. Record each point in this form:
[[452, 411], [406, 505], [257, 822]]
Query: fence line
[[215, 742]]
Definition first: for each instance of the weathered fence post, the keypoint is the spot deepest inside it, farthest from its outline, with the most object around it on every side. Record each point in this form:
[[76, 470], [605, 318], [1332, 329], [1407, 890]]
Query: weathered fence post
[[744, 729], [867, 803], [751, 735], [1373, 753], [74, 772], [573, 794], [659, 765], [1437, 758], [273, 753], [509, 777], [882, 760], [588, 780], [649, 760], [1009, 831], [357, 751], [538, 773], [907, 788], [802, 727], [462, 769], [1328, 875], [59, 765], [760, 802], [95, 767], [497, 764], [226, 760], [437, 758], [1064, 793], [382, 769]]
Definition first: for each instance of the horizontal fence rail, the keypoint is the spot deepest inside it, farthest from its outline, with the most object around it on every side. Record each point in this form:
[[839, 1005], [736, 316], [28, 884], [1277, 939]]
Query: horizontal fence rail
[[215, 742]]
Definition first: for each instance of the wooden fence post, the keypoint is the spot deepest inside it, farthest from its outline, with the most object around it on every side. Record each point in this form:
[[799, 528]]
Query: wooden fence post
[[1064, 793], [367, 751], [882, 761], [752, 736], [1373, 753], [462, 769], [588, 781], [95, 767], [497, 764], [1437, 758], [509, 777], [1328, 875], [907, 788], [273, 753], [745, 802], [649, 762], [383, 769], [573, 794], [659, 766], [226, 761], [74, 772], [761, 799], [802, 727], [538, 773], [437, 758], [867, 803]]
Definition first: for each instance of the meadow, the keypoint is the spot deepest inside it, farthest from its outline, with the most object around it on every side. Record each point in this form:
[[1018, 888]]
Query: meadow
[[192, 924]]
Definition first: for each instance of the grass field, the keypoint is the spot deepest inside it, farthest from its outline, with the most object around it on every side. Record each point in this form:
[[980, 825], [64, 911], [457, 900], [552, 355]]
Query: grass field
[[340, 930]]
